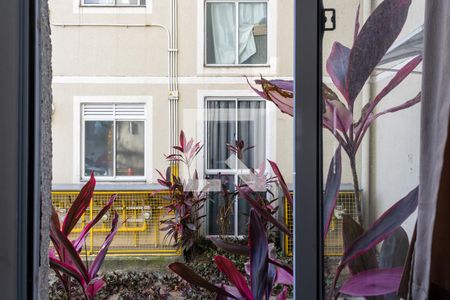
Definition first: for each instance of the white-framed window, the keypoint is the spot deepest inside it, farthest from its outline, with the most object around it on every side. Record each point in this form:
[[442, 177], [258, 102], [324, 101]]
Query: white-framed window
[[112, 138], [236, 33], [228, 120], [113, 2]]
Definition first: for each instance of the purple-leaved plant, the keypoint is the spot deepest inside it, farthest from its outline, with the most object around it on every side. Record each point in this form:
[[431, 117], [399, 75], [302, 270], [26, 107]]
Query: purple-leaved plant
[[65, 257], [349, 69]]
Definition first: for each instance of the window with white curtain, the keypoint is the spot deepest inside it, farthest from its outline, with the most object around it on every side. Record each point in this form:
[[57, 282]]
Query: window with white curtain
[[113, 140], [227, 121], [113, 2], [236, 32]]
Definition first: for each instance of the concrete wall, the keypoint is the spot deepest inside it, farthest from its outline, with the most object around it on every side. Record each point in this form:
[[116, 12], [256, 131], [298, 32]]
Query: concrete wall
[[46, 146]]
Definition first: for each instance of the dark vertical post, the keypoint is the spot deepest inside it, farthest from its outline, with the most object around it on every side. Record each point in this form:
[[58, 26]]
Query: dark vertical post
[[19, 179], [9, 87], [308, 152]]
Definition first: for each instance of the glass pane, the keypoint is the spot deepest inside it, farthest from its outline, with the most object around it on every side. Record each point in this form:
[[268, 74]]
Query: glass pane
[[128, 2], [98, 148], [379, 162], [130, 148], [220, 33], [166, 110], [220, 131], [221, 207], [252, 33], [252, 131], [110, 2]]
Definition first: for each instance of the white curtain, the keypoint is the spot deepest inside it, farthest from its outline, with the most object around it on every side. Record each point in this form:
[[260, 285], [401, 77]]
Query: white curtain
[[252, 130], [222, 22], [221, 129], [223, 25], [250, 14]]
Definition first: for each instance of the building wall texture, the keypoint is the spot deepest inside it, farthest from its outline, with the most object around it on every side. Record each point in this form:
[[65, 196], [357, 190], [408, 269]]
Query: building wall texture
[[46, 145]]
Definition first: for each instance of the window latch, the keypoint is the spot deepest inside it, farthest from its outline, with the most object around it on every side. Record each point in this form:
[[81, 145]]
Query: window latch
[[329, 16]]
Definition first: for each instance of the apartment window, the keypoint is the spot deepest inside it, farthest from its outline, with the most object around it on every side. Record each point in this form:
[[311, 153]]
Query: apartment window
[[113, 140], [113, 2], [236, 33], [228, 121]]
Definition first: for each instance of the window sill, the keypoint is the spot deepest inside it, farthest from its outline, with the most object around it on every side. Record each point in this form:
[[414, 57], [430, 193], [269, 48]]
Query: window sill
[[212, 66], [116, 180], [111, 6], [111, 9]]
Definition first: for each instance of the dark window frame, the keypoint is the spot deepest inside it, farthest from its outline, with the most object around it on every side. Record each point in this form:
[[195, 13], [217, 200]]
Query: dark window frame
[[24, 228], [308, 237]]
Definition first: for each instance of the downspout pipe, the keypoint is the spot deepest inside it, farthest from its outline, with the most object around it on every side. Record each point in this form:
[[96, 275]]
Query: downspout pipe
[[366, 159], [173, 81]]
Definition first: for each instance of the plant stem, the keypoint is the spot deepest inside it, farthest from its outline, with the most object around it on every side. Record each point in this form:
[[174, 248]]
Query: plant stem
[[356, 188]]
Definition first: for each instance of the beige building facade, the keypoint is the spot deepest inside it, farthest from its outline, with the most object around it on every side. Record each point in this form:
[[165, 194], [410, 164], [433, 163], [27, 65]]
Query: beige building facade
[[119, 55]]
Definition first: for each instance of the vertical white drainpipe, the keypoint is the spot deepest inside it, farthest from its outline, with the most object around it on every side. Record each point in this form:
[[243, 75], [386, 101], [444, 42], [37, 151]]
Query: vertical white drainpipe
[[366, 159], [173, 75]]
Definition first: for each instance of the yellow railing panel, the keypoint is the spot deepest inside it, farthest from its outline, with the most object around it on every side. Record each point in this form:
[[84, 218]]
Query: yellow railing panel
[[333, 242], [140, 216]]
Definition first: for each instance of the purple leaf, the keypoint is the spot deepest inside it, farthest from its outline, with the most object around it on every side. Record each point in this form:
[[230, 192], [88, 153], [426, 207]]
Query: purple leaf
[[383, 226], [259, 255], [376, 36], [351, 230], [55, 219], [337, 65], [281, 181], [393, 254], [367, 113], [78, 243], [94, 286], [227, 267], [287, 85], [282, 265], [230, 289], [67, 252], [79, 206], [67, 269], [394, 250], [182, 140], [193, 278], [373, 283], [285, 102], [98, 261], [328, 93], [284, 277], [246, 194], [337, 116], [371, 118], [405, 105], [282, 98], [398, 78], [232, 248], [332, 189]]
